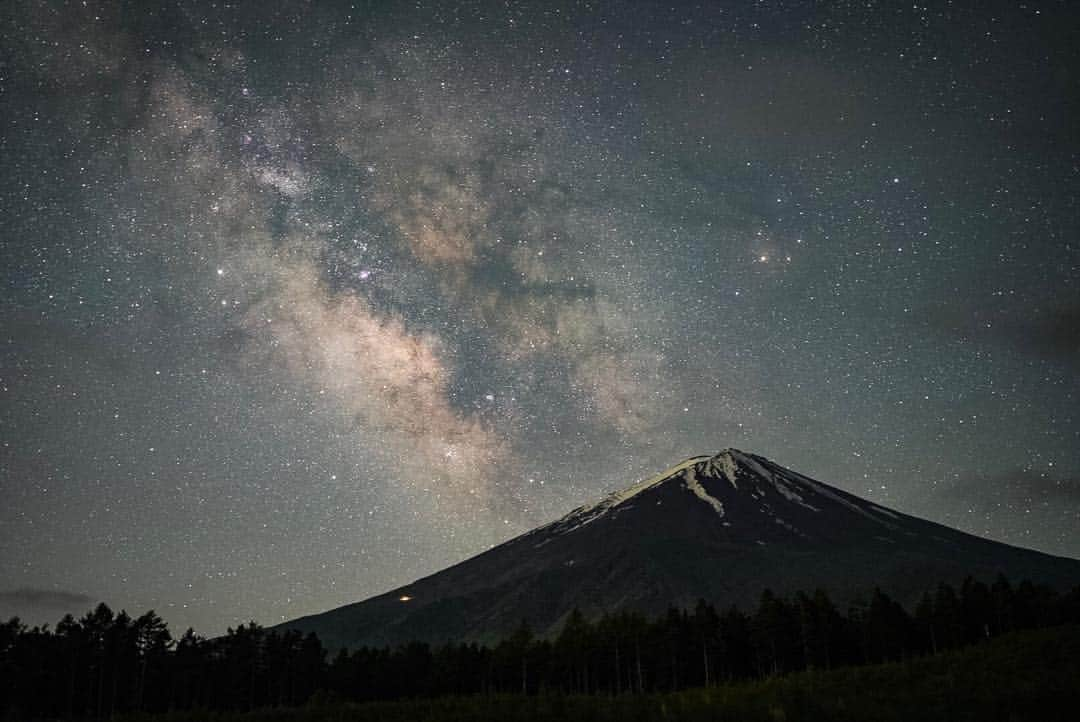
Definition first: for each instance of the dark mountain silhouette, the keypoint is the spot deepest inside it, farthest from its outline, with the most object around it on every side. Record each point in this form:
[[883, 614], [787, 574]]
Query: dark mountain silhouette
[[722, 528]]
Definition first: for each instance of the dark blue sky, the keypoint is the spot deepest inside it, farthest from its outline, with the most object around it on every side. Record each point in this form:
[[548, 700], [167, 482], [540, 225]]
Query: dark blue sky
[[303, 301]]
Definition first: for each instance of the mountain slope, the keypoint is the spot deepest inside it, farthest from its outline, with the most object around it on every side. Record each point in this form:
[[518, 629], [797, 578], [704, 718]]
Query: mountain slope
[[720, 527]]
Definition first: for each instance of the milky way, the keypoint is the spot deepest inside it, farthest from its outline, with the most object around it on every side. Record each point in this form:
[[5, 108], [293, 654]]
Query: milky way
[[303, 301]]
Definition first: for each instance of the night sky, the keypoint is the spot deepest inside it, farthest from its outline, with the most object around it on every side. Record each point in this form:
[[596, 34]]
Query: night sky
[[302, 301]]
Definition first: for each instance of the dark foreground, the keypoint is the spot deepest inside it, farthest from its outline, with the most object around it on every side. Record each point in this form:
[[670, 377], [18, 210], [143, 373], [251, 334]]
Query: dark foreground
[[1033, 675]]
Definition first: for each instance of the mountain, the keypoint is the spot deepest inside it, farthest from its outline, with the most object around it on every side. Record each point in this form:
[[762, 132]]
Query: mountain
[[721, 527]]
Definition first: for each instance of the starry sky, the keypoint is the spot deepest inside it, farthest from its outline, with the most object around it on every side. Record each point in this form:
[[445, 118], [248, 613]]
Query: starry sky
[[304, 300]]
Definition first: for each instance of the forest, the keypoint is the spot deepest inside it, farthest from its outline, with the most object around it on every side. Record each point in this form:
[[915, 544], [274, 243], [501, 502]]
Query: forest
[[107, 664]]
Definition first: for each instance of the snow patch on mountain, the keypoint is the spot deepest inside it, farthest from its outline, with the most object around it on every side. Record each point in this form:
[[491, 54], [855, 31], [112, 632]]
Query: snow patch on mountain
[[691, 482], [777, 481], [791, 528], [791, 495], [724, 463], [749, 462], [823, 490], [586, 514], [619, 497]]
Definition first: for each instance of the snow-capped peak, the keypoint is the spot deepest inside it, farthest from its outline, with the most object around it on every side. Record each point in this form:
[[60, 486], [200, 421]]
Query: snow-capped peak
[[726, 464], [729, 463], [728, 482]]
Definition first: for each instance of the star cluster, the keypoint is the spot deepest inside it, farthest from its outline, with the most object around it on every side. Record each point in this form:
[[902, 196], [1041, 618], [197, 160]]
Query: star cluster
[[304, 300]]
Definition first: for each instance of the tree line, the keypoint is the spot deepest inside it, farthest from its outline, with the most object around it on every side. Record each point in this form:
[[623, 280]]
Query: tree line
[[106, 664]]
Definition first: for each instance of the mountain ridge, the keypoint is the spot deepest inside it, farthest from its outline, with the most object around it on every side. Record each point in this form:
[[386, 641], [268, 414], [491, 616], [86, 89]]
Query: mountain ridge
[[722, 527]]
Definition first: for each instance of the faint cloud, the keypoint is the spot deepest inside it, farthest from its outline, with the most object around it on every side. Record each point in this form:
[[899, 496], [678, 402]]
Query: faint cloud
[[1025, 485], [52, 599], [1023, 506], [1050, 332]]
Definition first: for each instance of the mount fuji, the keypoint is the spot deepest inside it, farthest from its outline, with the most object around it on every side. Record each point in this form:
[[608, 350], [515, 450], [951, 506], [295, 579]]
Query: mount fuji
[[723, 528]]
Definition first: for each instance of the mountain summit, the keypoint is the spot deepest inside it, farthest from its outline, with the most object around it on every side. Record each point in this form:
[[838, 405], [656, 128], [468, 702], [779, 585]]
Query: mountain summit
[[722, 528]]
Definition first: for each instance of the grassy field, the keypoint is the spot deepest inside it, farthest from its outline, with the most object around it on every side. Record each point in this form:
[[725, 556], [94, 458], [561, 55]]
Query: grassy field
[[1026, 676]]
